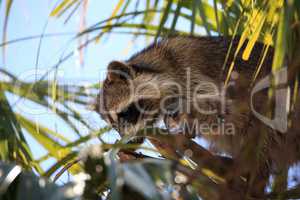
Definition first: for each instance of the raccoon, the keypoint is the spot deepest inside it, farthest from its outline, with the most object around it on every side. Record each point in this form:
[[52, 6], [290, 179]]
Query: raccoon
[[182, 80]]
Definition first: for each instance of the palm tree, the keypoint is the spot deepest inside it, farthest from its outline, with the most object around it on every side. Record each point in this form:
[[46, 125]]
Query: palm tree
[[275, 23]]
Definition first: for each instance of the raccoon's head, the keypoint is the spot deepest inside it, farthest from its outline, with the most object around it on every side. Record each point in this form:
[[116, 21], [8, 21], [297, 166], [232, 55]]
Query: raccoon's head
[[131, 96]]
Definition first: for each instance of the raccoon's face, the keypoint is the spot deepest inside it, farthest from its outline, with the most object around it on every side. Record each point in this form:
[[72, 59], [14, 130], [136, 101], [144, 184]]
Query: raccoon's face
[[130, 98]]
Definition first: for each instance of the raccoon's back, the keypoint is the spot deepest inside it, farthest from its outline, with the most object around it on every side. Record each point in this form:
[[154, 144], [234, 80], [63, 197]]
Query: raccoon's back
[[211, 56], [214, 55]]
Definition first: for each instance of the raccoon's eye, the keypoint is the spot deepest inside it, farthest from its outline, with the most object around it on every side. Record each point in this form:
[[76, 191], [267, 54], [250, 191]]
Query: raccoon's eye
[[130, 114]]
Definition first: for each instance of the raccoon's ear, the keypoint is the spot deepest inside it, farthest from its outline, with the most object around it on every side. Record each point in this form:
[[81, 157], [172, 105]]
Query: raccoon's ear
[[119, 70]]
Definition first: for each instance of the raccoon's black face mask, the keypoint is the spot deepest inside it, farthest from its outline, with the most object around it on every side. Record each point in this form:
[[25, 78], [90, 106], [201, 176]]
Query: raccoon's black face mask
[[128, 100]]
